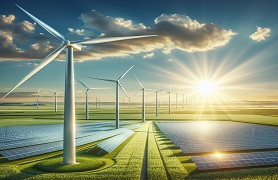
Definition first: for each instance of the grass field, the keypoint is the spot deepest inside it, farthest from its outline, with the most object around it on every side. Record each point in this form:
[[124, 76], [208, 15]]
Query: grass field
[[147, 153]]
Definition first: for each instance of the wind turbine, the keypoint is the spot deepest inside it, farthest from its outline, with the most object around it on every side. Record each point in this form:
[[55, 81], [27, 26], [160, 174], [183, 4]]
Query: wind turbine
[[169, 92], [69, 155], [156, 100], [183, 100], [86, 94], [143, 99], [37, 94], [177, 98], [118, 84], [98, 101], [55, 99]]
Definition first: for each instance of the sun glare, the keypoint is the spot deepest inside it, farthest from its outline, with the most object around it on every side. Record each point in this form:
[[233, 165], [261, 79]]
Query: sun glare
[[218, 154], [207, 87]]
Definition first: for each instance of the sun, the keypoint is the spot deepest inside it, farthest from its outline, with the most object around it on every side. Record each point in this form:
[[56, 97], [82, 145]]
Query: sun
[[207, 87]]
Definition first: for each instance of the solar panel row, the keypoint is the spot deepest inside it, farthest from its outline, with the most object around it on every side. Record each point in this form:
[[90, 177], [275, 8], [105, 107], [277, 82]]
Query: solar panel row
[[40, 145], [112, 143], [199, 137], [45, 134], [23, 152], [227, 161]]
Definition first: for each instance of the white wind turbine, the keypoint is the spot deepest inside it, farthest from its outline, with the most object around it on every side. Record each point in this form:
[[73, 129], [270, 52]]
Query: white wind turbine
[[177, 98], [37, 94], [143, 99], [156, 100], [55, 99], [86, 95], [169, 92], [118, 84], [69, 155]]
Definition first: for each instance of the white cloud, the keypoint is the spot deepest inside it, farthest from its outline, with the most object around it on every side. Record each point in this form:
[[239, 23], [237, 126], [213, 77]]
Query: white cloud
[[27, 26], [179, 20], [8, 19], [261, 34], [148, 55], [174, 32]]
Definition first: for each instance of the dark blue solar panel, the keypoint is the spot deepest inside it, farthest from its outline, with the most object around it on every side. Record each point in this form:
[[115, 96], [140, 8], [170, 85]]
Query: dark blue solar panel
[[110, 144], [227, 161], [48, 138], [199, 137]]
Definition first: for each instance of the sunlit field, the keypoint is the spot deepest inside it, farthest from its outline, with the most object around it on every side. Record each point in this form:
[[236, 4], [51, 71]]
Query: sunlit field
[[146, 153]]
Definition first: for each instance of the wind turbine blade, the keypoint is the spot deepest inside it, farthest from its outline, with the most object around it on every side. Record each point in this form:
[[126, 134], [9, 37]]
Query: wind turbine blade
[[98, 88], [81, 83], [157, 87], [43, 25], [101, 79], [52, 90], [125, 73], [45, 61], [136, 94], [150, 89], [138, 81], [161, 93], [75, 46], [109, 39], [124, 90]]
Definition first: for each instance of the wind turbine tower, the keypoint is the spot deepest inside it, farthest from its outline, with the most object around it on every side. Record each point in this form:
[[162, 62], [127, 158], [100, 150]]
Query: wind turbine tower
[[86, 95], [118, 84], [37, 94], [169, 92], [55, 100], [143, 98], [69, 155]]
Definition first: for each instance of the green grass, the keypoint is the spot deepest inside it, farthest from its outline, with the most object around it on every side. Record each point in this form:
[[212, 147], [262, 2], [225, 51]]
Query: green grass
[[125, 162], [83, 164], [155, 166]]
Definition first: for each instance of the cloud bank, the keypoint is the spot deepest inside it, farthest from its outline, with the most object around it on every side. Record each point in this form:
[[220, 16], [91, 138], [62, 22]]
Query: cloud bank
[[174, 32], [261, 34]]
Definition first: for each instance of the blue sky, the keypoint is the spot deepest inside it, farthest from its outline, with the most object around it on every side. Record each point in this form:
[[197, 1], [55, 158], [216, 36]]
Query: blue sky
[[232, 43]]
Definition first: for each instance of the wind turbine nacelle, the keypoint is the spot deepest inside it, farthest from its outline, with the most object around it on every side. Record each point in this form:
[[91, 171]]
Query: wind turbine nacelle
[[74, 46]]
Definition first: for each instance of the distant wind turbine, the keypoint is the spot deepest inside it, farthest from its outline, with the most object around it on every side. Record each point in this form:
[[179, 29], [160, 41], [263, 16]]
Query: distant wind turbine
[[86, 95], [143, 98], [55, 99], [169, 92], [156, 100], [118, 84], [69, 155], [37, 94], [177, 98]]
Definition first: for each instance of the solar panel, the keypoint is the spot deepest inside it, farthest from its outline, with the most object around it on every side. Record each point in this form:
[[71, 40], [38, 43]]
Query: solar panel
[[21, 136], [200, 137], [50, 137], [227, 161], [112, 143]]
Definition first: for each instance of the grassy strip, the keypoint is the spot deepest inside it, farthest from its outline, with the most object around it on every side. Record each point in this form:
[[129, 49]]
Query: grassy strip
[[84, 164], [155, 166], [258, 119], [174, 168]]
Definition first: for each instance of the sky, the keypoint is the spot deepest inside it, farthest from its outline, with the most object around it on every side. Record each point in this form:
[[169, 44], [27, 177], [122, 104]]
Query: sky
[[232, 44]]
